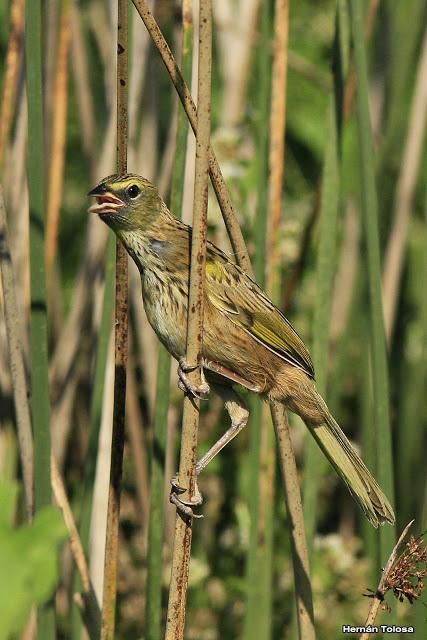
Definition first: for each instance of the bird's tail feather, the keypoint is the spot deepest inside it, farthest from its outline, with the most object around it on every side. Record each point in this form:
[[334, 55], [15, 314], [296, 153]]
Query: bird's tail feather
[[348, 464]]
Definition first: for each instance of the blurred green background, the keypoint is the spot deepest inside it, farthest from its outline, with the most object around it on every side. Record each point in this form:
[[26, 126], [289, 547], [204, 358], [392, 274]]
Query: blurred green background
[[326, 296]]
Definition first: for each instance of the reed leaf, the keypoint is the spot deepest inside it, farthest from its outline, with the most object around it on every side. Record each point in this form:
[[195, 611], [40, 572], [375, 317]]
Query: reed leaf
[[259, 569], [157, 481], [325, 271], [40, 403], [95, 421], [384, 466]]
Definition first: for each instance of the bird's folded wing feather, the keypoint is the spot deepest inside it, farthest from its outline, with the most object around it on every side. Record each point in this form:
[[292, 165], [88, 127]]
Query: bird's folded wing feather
[[239, 298]]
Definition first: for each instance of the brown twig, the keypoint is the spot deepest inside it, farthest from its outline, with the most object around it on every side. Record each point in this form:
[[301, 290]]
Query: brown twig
[[217, 179], [190, 422], [58, 138], [305, 614], [121, 346], [16, 359], [11, 73], [90, 609], [276, 160]]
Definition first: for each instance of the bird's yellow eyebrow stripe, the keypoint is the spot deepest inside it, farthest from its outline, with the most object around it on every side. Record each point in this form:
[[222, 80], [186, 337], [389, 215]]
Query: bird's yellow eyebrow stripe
[[122, 184]]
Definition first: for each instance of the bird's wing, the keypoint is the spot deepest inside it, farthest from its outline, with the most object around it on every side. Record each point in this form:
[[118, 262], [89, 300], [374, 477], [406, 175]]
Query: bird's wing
[[239, 298]]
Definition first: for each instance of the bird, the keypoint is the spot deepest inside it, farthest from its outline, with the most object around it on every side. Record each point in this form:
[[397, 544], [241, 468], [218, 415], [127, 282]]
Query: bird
[[247, 340]]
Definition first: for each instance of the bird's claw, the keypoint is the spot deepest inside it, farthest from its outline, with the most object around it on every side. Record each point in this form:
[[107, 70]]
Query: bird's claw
[[185, 507], [184, 383]]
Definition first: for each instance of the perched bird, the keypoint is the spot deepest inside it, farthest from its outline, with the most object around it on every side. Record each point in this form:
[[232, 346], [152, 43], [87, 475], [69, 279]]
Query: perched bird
[[246, 339]]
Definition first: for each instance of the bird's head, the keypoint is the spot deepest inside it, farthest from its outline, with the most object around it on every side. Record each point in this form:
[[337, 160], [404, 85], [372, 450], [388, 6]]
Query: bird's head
[[126, 202]]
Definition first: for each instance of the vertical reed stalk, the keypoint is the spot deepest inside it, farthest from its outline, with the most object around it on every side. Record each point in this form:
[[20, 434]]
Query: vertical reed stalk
[[370, 537], [121, 344], [95, 418], [325, 270], [39, 392], [16, 360], [301, 567], [412, 405], [156, 523], [40, 403], [182, 127], [419, 614], [302, 586], [187, 476], [370, 217], [261, 493], [58, 136], [157, 480]]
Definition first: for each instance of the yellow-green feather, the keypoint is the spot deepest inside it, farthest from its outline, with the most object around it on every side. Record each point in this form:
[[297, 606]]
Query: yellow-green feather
[[233, 293]]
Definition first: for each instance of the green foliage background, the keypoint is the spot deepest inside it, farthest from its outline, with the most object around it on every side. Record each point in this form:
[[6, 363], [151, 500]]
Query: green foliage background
[[345, 553]]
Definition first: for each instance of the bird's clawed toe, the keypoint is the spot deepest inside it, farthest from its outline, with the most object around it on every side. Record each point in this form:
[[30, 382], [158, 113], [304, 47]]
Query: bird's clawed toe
[[184, 383], [185, 506]]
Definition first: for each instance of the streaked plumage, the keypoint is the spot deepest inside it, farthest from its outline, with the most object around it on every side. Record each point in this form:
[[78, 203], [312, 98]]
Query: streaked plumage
[[245, 335]]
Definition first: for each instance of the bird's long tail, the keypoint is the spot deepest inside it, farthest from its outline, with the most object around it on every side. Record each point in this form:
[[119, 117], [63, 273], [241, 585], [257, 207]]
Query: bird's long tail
[[348, 464]]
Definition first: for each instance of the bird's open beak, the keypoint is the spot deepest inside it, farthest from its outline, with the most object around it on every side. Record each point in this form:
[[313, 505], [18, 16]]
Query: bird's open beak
[[106, 202]]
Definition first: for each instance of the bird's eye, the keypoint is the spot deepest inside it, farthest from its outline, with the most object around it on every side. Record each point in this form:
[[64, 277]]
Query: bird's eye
[[134, 191]]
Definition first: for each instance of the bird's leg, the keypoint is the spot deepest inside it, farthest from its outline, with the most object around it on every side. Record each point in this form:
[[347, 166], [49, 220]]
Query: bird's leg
[[217, 367], [184, 383], [239, 415]]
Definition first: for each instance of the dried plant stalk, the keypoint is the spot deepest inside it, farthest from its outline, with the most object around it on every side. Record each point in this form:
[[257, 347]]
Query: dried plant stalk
[[300, 560], [190, 422], [58, 138], [276, 161], [90, 606], [11, 73], [120, 353], [17, 368], [393, 572], [302, 585]]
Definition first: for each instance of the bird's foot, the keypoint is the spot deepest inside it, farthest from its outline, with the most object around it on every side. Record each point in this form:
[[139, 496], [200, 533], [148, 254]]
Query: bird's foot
[[199, 391], [185, 507]]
